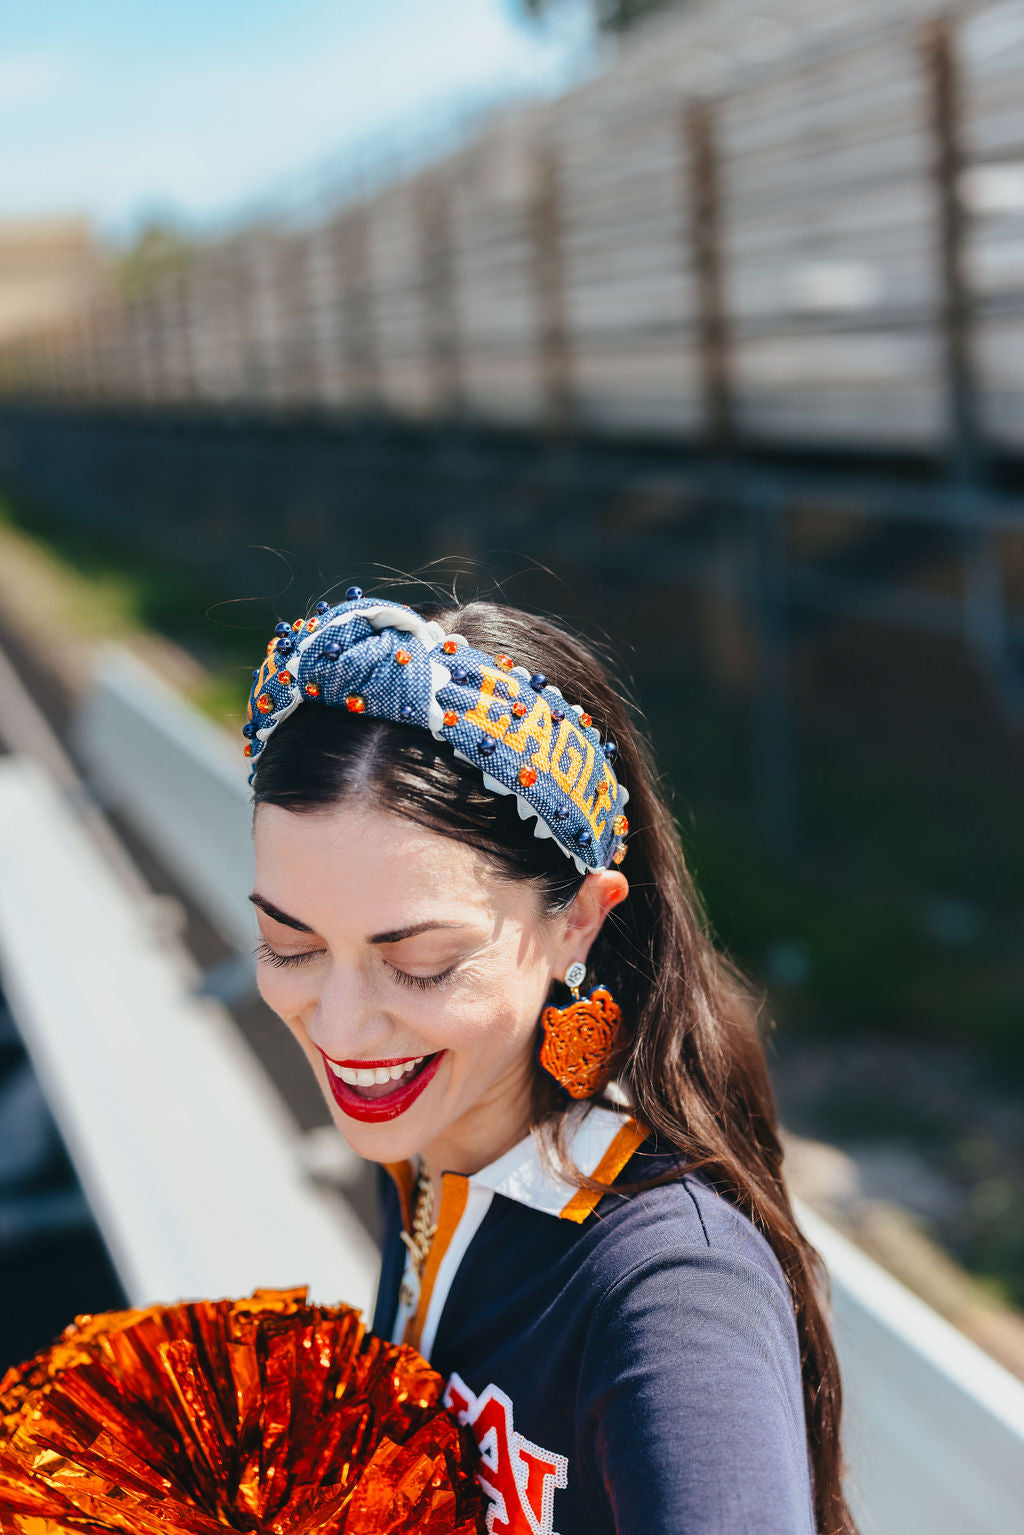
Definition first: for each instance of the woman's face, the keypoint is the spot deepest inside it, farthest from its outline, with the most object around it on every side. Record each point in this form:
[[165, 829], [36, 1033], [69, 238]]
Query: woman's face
[[402, 947]]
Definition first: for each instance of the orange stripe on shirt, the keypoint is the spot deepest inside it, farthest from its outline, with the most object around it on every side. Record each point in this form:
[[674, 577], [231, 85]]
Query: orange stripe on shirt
[[454, 1194], [405, 1182], [625, 1142]]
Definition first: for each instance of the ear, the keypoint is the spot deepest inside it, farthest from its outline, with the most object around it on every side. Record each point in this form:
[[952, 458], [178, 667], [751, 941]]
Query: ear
[[601, 891]]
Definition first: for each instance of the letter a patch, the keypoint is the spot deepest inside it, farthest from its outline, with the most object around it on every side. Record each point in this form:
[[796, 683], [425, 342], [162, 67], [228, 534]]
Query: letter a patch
[[519, 1477]]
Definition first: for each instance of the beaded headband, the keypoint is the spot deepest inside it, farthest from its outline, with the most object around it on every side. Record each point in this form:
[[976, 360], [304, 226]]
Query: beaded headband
[[381, 659]]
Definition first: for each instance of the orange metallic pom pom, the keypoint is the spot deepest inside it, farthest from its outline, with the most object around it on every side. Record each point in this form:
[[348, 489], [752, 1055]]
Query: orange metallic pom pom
[[355, 704], [450, 718], [527, 777], [260, 1414], [519, 709], [264, 703], [620, 826], [505, 661], [313, 689], [403, 657], [579, 1041], [450, 647]]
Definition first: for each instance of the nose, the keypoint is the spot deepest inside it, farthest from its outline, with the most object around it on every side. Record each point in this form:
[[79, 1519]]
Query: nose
[[346, 1021]]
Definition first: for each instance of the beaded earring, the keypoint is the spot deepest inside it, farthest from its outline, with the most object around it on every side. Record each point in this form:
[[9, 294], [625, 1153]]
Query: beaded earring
[[580, 1038]]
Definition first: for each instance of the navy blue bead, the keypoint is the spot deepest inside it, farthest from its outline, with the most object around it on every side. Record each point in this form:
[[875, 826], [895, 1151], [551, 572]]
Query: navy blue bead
[[406, 711], [322, 607], [563, 812], [611, 751], [255, 674], [247, 728], [282, 628], [538, 682], [332, 650], [460, 675], [353, 593], [487, 747], [584, 839], [558, 715], [285, 645]]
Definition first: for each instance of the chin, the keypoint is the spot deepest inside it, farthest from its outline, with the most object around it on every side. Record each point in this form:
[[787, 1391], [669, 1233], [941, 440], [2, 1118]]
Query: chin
[[392, 1125]]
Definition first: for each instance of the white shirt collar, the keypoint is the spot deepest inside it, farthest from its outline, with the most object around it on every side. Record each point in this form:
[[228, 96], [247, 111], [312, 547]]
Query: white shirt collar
[[594, 1134]]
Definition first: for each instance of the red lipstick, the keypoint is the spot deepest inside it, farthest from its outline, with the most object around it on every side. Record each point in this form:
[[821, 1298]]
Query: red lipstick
[[391, 1104], [393, 1060]]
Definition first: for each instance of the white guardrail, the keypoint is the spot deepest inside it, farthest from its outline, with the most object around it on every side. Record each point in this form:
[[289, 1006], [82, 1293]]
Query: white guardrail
[[934, 1426], [185, 1152]]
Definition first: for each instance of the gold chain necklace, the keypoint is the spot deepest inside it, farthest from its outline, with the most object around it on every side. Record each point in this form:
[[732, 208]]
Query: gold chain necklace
[[418, 1243]]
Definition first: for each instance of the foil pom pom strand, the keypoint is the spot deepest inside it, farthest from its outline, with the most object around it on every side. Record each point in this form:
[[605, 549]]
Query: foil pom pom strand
[[265, 1415]]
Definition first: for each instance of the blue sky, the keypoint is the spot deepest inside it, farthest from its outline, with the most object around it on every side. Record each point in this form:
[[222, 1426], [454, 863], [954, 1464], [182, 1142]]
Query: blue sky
[[124, 109]]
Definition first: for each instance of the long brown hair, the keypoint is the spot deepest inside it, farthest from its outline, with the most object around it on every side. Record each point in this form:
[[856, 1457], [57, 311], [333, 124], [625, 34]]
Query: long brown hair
[[694, 1057]]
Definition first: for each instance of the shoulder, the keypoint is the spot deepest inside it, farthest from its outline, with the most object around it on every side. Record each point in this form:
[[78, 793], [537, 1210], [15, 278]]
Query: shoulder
[[682, 1225], [690, 1385]]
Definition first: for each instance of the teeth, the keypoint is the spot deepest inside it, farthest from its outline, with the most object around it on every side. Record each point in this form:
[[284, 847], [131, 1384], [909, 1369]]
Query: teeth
[[368, 1076]]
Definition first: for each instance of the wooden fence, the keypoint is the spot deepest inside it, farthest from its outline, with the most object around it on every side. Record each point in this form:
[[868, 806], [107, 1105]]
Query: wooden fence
[[805, 225]]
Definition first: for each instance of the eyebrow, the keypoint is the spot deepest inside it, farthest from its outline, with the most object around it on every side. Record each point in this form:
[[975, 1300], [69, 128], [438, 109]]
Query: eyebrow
[[396, 937]]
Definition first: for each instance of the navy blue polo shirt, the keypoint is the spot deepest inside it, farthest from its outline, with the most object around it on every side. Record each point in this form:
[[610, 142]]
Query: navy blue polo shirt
[[628, 1365]]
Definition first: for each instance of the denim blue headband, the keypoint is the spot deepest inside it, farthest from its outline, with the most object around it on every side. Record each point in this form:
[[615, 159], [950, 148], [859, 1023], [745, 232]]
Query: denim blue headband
[[379, 658]]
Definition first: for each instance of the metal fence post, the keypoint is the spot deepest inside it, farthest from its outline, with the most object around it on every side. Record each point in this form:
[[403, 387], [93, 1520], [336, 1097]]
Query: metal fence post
[[549, 287]]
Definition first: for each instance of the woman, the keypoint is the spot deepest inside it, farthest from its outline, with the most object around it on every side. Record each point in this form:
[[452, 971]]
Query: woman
[[586, 1227]]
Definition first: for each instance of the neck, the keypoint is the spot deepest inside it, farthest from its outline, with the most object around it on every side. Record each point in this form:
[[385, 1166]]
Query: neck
[[468, 1153]]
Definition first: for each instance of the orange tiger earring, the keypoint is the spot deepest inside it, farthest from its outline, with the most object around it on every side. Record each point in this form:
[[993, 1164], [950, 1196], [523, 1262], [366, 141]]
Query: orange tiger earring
[[579, 1039]]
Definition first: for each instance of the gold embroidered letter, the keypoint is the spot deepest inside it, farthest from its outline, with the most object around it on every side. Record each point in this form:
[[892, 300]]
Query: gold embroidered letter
[[535, 726], [478, 714]]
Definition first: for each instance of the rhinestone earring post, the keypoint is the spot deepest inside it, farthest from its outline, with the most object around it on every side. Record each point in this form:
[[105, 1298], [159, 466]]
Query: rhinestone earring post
[[574, 978]]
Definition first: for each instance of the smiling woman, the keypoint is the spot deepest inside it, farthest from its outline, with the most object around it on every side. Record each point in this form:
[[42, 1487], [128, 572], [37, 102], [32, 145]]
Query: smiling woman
[[587, 1230]]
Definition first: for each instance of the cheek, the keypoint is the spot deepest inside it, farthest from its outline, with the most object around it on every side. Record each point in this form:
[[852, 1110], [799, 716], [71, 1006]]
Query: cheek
[[285, 991], [497, 1016]]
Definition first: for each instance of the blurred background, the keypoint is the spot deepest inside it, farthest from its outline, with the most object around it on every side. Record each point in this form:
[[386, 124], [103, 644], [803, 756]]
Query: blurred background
[[699, 324]]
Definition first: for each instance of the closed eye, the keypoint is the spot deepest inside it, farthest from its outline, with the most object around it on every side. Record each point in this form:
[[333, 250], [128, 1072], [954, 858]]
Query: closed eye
[[422, 981], [264, 951], [272, 957]]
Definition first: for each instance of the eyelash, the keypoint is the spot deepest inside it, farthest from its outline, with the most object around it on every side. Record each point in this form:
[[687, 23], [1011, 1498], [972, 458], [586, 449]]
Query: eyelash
[[423, 981], [264, 951]]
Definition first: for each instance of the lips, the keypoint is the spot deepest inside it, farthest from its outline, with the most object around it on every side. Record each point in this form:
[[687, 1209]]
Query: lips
[[391, 1095]]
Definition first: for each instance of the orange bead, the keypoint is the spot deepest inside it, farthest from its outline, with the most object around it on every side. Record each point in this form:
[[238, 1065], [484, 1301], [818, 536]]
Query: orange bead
[[297, 625], [450, 647], [450, 718], [585, 720], [403, 657], [284, 676], [271, 646], [355, 704], [311, 624], [620, 826], [519, 709], [619, 854], [247, 749], [313, 689], [527, 777], [505, 661], [264, 703]]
